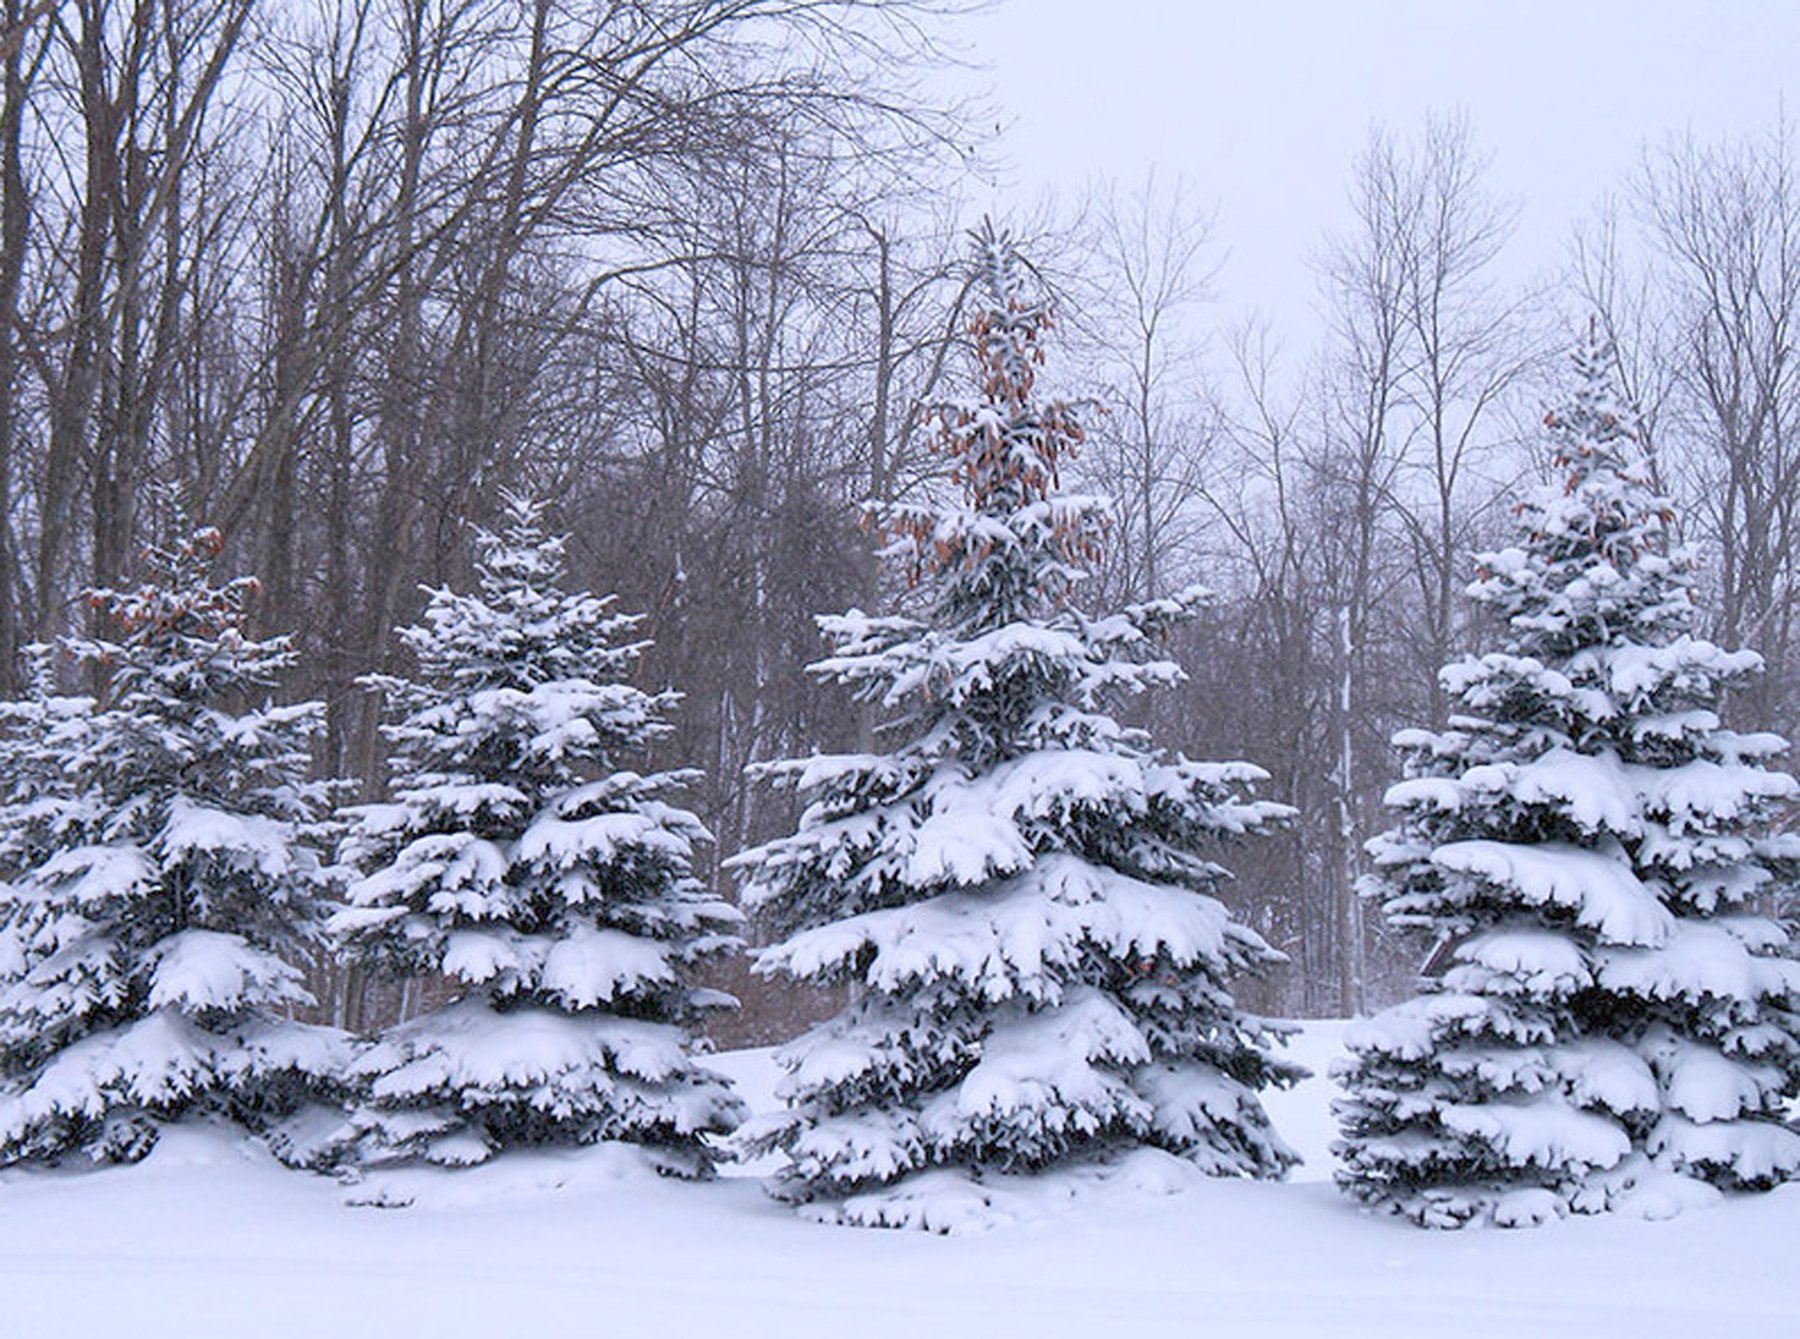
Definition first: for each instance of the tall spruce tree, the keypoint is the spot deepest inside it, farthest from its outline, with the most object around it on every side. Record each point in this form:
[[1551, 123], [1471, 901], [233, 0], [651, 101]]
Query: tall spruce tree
[[166, 880], [1016, 891], [522, 860], [1613, 1026]]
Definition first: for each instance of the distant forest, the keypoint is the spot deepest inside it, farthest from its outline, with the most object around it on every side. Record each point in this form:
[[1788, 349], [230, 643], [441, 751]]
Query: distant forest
[[335, 276]]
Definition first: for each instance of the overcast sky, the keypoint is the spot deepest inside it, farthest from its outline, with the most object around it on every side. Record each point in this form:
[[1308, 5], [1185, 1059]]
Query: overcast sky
[[1261, 105]]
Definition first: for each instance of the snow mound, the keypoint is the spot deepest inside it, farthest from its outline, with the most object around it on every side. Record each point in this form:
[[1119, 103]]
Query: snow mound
[[508, 1178], [957, 1203]]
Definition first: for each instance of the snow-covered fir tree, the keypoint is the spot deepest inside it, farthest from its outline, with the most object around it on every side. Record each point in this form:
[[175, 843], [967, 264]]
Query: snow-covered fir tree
[[40, 735], [165, 884], [1017, 891], [519, 858], [1613, 1025]]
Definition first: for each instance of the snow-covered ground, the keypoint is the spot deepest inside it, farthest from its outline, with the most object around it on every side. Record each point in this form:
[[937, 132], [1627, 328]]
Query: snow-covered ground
[[207, 1238]]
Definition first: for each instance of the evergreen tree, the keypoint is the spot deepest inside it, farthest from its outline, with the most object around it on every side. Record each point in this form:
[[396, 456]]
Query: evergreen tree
[[552, 887], [165, 882], [1614, 1024], [1015, 891], [40, 735]]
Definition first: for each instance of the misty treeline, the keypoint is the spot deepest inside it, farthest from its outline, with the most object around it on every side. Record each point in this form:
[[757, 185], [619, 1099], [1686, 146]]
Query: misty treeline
[[331, 276]]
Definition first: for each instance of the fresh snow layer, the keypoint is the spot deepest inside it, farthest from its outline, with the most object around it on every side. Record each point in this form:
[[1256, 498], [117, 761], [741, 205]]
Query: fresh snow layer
[[209, 1237]]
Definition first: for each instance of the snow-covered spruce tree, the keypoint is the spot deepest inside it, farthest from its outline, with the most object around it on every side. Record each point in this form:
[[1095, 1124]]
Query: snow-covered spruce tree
[[1613, 1025], [40, 737], [553, 888], [168, 879], [1015, 891]]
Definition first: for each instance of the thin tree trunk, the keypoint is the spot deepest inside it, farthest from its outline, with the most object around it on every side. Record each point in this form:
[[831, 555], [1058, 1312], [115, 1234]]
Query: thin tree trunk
[[15, 221]]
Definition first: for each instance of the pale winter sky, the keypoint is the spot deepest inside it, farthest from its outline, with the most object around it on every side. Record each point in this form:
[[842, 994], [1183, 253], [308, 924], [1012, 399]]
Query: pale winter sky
[[1261, 105]]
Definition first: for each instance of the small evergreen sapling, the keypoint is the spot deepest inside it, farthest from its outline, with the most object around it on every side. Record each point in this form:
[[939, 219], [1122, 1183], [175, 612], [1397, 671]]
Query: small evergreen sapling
[[1614, 1028], [520, 858], [1015, 891], [166, 881]]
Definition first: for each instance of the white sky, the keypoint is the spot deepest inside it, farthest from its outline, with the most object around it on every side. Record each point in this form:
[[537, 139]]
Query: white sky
[[1261, 105]]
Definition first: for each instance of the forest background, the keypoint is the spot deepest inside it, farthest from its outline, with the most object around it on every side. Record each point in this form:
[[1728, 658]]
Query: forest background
[[334, 276]]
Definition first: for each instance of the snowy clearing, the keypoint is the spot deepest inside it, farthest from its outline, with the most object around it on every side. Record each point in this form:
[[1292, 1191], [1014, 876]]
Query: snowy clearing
[[209, 1238]]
